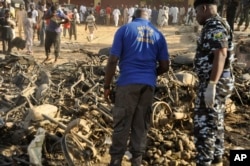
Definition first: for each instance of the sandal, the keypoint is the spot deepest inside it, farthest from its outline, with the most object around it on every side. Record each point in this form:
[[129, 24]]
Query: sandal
[[46, 59]]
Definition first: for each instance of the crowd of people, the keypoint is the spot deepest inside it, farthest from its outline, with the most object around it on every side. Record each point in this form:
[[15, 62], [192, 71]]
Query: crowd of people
[[120, 15]]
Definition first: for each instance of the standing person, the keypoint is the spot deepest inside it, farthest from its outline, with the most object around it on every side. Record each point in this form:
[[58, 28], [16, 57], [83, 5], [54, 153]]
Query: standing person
[[73, 24], [138, 46], [213, 66], [7, 31], [121, 22], [29, 24], [97, 12], [20, 17], [231, 12], [244, 16], [190, 16], [116, 14], [164, 16], [125, 15], [131, 11], [103, 16], [34, 17], [82, 10], [90, 25], [160, 13], [154, 16], [108, 14], [175, 13], [53, 30], [182, 15], [40, 11], [42, 25], [66, 26]]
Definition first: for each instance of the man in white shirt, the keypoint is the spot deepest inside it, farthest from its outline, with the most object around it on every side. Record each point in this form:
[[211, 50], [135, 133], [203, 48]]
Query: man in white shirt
[[82, 10], [131, 11], [34, 17], [116, 14], [175, 13]]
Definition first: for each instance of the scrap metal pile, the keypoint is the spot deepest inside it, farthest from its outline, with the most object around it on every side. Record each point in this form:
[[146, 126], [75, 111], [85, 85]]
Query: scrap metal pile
[[58, 116]]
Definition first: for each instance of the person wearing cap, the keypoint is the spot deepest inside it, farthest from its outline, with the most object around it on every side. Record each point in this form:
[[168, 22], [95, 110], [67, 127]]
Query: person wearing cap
[[213, 66], [142, 52]]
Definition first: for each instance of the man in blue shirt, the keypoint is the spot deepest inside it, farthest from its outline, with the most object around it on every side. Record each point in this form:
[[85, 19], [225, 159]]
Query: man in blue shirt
[[142, 53], [53, 30]]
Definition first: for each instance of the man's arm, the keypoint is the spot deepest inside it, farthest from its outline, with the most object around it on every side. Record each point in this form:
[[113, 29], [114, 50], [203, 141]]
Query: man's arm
[[110, 70], [218, 64], [163, 67], [48, 15]]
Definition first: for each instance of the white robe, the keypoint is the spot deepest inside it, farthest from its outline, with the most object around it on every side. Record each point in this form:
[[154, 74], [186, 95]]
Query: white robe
[[116, 14]]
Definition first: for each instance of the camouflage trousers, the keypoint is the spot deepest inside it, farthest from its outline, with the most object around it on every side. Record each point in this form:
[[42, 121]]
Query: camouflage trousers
[[209, 122]]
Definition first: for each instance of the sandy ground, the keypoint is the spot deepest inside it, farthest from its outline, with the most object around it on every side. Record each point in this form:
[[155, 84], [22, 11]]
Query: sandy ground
[[104, 38]]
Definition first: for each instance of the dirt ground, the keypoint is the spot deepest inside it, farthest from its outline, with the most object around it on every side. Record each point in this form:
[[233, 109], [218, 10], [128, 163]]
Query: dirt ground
[[238, 131]]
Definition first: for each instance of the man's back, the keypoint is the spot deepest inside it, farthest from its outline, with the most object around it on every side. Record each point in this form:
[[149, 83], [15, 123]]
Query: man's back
[[139, 45]]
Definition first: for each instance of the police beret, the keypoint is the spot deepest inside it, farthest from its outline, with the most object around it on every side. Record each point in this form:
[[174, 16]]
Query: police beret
[[199, 2]]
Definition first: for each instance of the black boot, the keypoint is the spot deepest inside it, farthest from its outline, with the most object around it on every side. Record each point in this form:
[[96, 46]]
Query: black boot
[[115, 162], [136, 161]]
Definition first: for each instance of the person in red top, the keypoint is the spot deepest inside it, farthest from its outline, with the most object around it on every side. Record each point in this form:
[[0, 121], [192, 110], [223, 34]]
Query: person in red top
[[108, 13], [97, 12], [66, 26], [98, 8]]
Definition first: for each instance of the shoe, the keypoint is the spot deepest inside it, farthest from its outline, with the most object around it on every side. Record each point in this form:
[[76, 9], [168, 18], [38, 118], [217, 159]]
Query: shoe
[[46, 59], [115, 162], [136, 161]]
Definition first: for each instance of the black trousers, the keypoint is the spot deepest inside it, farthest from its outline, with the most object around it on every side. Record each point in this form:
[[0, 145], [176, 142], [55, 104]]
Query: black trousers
[[231, 14], [131, 119], [52, 38]]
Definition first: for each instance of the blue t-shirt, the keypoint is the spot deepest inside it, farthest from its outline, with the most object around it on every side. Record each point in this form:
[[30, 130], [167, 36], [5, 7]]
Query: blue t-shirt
[[139, 46], [53, 25]]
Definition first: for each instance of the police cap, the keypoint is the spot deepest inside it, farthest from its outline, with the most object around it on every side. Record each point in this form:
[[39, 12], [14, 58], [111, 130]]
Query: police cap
[[200, 2]]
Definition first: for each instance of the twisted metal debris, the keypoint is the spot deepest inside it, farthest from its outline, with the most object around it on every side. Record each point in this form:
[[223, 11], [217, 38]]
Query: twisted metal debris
[[67, 101]]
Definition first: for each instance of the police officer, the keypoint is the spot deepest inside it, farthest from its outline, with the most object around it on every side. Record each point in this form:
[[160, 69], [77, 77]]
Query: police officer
[[212, 64]]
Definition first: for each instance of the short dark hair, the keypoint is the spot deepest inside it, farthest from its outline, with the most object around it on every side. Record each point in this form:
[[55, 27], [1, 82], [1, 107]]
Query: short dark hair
[[200, 2], [138, 12]]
